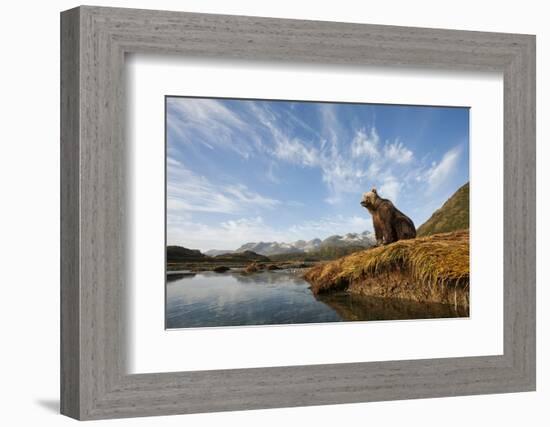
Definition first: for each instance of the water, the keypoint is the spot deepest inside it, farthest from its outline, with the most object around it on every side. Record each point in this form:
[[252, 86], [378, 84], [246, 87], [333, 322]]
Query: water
[[272, 298]]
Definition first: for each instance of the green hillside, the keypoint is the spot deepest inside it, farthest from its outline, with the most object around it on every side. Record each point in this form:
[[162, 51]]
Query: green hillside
[[453, 215]]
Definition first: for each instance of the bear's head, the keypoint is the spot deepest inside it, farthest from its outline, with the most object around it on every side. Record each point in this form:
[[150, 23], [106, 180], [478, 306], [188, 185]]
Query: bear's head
[[370, 200]]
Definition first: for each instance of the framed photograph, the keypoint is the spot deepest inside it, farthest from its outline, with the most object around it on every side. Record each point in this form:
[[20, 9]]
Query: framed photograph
[[264, 195], [262, 213]]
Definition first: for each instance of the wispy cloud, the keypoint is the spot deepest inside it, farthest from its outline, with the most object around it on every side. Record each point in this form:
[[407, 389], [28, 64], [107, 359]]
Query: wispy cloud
[[228, 234], [295, 151], [366, 163], [398, 153], [348, 162], [346, 166], [170, 161], [341, 174], [438, 173], [366, 144], [189, 192], [390, 188], [331, 225], [210, 123], [282, 146]]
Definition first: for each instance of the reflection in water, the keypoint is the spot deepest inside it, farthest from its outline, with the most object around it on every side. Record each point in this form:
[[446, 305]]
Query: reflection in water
[[269, 298], [231, 299], [358, 307], [177, 276]]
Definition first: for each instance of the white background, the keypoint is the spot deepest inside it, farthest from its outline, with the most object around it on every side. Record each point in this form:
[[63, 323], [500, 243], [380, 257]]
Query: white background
[[152, 349], [29, 177]]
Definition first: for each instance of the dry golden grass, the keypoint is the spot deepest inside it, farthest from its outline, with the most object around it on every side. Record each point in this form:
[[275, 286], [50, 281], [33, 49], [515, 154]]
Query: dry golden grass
[[420, 268]]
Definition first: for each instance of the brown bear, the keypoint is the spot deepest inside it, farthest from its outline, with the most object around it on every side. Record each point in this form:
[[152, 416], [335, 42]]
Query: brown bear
[[390, 224]]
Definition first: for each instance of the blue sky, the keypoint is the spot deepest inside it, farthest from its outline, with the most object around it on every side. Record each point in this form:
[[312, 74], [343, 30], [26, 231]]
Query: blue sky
[[248, 170]]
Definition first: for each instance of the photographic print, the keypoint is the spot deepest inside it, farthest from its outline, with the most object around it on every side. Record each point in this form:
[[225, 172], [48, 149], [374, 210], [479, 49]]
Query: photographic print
[[292, 212]]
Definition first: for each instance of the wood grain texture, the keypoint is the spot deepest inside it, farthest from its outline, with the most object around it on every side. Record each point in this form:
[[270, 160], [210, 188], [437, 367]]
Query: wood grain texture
[[70, 292], [94, 197]]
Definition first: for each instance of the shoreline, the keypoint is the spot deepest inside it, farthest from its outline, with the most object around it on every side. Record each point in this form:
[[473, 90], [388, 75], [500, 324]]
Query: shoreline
[[196, 267], [426, 269]]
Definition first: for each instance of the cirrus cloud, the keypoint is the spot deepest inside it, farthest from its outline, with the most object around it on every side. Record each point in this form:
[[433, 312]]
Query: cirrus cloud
[[439, 172], [189, 192]]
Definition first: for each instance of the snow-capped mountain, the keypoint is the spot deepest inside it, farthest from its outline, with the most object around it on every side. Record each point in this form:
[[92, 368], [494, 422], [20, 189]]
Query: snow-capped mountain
[[216, 252], [360, 239], [269, 248], [365, 239]]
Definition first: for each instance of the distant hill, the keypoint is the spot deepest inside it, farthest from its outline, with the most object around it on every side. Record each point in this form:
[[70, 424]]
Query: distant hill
[[181, 254], [246, 256], [216, 252], [453, 215]]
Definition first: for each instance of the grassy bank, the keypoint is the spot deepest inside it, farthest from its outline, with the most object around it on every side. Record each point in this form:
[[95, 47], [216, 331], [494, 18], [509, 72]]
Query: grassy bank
[[452, 216], [425, 269]]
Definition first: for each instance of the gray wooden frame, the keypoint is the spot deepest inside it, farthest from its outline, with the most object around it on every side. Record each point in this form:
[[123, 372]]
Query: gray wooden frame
[[94, 382]]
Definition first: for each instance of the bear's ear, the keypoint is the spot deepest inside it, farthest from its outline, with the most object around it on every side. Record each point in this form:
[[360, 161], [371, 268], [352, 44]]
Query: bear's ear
[[374, 190]]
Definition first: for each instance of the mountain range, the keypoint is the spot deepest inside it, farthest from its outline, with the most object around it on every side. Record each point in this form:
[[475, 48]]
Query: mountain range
[[365, 239]]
